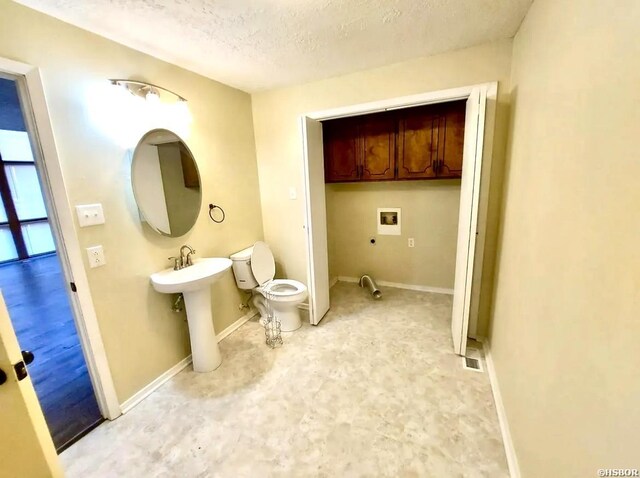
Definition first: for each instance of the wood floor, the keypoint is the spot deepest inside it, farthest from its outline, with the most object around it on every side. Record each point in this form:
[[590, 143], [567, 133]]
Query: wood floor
[[34, 291]]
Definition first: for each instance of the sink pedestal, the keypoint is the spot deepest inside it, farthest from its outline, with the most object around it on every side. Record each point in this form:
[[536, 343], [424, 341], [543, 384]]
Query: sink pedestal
[[204, 343], [194, 282]]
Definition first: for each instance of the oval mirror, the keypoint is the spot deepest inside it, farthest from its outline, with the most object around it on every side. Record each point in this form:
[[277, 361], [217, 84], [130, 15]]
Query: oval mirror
[[166, 183]]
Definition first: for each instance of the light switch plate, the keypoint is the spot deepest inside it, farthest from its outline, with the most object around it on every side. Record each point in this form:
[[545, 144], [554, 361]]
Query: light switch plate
[[90, 214], [293, 194], [96, 256]]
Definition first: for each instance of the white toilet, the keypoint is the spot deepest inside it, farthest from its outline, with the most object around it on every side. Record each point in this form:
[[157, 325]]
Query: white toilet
[[254, 269]]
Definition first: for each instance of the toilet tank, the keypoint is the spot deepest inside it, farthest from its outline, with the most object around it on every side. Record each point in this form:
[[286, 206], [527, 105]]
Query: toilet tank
[[242, 269]]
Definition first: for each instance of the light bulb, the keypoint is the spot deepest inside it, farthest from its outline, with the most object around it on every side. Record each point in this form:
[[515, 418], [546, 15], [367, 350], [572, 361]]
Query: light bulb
[[152, 98], [182, 111]]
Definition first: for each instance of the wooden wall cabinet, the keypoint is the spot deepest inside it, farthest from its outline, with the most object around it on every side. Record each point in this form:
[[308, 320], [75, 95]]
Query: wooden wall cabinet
[[377, 135], [189, 168], [417, 143], [341, 152], [451, 141]]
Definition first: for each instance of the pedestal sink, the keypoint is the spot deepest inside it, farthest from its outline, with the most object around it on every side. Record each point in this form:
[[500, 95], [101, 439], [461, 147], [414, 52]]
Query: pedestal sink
[[194, 282]]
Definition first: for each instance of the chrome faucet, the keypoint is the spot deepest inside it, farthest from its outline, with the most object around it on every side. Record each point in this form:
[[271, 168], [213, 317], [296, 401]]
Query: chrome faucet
[[183, 260]]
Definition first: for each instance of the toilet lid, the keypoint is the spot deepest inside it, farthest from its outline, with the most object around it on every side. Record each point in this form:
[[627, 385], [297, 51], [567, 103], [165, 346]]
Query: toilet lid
[[262, 264]]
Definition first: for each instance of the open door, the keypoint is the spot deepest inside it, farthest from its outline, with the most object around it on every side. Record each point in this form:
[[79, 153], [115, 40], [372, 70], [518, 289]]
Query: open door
[[468, 217], [26, 447], [316, 227]]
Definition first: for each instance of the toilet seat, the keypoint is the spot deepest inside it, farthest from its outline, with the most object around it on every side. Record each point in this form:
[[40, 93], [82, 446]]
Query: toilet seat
[[282, 289], [263, 265]]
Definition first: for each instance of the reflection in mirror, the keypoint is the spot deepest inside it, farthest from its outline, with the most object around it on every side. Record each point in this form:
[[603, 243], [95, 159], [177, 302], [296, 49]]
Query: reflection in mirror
[[166, 183]]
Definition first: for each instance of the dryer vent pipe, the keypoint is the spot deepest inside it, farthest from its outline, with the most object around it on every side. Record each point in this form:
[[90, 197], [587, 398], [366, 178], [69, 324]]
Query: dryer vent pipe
[[368, 282]]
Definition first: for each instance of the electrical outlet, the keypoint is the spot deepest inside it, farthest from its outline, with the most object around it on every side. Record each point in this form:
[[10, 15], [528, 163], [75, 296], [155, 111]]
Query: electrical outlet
[[412, 243], [96, 256], [293, 194]]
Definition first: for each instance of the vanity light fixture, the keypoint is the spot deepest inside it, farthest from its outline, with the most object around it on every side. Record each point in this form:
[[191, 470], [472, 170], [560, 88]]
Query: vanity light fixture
[[151, 93]]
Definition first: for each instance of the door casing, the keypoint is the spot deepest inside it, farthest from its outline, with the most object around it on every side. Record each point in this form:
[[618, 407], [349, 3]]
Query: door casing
[[35, 110]]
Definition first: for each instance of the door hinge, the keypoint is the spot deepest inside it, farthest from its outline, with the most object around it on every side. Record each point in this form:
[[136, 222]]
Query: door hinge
[[21, 371], [73, 287]]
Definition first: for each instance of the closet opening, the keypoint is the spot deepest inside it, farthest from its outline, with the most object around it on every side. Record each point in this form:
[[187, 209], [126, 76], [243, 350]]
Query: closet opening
[[419, 160]]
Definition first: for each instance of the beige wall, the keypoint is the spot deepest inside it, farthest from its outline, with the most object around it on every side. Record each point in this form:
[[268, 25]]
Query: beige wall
[[566, 323], [279, 143], [429, 215], [143, 338]]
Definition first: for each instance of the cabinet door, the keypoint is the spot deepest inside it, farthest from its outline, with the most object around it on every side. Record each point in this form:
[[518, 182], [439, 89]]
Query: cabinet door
[[189, 169], [451, 141], [341, 158], [377, 139], [417, 144]]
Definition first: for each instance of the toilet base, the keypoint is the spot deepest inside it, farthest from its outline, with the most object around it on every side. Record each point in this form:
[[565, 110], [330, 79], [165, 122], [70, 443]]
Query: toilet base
[[289, 318], [286, 312]]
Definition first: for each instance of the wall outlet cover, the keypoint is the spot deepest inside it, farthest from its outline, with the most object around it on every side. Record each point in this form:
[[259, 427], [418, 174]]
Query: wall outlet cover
[[96, 256]]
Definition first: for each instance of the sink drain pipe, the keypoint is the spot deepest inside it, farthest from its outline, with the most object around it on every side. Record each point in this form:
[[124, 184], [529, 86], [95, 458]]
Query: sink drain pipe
[[368, 282], [178, 304]]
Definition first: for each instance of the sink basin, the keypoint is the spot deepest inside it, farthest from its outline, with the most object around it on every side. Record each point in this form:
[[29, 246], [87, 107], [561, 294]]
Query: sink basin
[[194, 282], [202, 273]]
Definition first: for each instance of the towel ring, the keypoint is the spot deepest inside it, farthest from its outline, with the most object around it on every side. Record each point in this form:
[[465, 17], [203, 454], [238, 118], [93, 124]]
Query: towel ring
[[213, 207]]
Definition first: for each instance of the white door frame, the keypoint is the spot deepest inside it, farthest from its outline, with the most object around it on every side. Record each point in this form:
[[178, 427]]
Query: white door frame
[[31, 92], [432, 97]]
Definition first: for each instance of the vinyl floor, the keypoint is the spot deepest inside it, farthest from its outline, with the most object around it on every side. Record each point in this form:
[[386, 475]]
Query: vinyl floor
[[374, 390], [34, 291]]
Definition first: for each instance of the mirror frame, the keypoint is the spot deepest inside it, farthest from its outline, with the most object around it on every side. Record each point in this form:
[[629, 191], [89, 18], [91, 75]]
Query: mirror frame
[[133, 187]]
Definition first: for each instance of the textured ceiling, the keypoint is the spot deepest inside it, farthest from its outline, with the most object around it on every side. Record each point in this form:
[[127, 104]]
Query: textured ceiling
[[261, 44]]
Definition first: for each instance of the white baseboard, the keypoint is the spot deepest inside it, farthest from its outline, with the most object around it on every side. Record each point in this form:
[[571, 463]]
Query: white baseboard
[[399, 285], [236, 325], [333, 282], [148, 389], [347, 279], [512, 458]]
